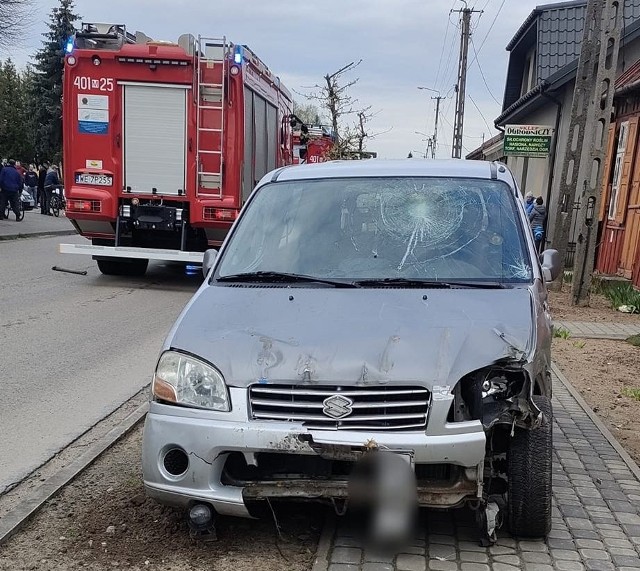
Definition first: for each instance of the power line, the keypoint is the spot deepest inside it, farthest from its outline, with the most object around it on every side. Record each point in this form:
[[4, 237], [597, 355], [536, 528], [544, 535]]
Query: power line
[[444, 43], [482, 72], [495, 19], [481, 114]]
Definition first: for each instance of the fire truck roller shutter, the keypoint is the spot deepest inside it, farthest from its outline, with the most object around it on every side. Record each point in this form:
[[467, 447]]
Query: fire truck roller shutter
[[155, 123]]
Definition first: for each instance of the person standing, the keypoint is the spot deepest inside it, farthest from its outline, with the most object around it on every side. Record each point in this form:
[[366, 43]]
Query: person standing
[[51, 181], [537, 216], [11, 184], [42, 175], [529, 202], [31, 182], [21, 169]]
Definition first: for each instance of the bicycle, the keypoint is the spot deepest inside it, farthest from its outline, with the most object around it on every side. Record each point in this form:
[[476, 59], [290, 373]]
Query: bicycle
[[8, 210], [58, 201]]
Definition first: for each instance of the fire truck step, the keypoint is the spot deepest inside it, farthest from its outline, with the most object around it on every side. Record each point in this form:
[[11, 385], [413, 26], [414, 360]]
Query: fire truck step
[[207, 130], [219, 108], [209, 152], [218, 85]]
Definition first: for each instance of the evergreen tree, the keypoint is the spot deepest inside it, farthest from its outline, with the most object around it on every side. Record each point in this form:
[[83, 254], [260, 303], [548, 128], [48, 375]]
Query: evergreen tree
[[47, 84]]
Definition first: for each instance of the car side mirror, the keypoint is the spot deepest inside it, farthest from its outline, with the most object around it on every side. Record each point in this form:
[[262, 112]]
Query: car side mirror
[[208, 261], [551, 264]]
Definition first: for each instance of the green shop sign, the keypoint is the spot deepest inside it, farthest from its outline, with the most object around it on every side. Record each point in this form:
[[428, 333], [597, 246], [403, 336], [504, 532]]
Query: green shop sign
[[527, 140]]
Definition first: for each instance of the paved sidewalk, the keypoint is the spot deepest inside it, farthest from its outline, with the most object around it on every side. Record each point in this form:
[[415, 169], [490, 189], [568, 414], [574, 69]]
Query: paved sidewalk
[[596, 516], [34, 224], [599, 330]]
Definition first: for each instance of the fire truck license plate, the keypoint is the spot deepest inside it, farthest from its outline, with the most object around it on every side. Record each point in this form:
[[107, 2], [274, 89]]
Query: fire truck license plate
[[95, 179]]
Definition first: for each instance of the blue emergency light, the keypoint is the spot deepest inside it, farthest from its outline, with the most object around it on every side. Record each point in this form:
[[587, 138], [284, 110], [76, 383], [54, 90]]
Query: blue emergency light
[[69, 46], [238, 55]]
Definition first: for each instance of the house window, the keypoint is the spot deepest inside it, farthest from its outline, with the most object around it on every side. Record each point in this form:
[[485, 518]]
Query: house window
[[617, 169]]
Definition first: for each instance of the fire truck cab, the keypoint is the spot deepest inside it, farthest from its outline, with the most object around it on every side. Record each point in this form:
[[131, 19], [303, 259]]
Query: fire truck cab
[[163, 142]]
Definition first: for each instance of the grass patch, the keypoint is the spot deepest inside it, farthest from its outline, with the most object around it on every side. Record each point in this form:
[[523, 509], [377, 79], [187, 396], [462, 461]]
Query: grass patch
[[567, 277], [634, 340], [632, 393], [623, 294], [579, 344], [561, 333]]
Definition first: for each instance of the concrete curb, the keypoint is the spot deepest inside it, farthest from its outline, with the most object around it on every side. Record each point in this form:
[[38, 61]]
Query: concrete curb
[[596, 420], [12, 522], [38, 234], [321, 562]]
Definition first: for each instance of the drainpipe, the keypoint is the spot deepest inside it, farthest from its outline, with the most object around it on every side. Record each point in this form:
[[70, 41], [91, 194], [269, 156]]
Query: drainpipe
[[552, 156]]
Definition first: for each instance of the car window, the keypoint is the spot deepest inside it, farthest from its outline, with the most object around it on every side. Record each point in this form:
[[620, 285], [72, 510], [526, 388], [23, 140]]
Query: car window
[[376, 228]]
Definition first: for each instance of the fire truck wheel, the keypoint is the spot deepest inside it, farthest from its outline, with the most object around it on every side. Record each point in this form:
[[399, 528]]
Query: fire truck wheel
[[123, 267]]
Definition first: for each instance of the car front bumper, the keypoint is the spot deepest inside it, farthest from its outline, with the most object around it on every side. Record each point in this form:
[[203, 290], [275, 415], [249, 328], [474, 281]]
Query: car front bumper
[[209, 438]]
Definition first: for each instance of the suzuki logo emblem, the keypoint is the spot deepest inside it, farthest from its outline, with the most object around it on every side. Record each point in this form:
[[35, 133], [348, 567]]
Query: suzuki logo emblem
[[337, 406]]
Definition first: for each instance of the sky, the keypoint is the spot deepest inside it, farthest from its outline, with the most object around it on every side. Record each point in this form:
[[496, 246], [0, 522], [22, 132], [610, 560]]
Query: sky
[[403, 44]]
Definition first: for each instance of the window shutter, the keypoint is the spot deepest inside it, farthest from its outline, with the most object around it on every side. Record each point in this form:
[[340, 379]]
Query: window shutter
[[627, 170], [606, 174]]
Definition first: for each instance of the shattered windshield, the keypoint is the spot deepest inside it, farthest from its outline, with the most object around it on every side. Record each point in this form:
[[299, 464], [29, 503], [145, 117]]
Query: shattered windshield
[[379, 228]]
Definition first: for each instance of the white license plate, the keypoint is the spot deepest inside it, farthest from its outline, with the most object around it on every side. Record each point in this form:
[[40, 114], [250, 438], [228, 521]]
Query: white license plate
[[95, 179]]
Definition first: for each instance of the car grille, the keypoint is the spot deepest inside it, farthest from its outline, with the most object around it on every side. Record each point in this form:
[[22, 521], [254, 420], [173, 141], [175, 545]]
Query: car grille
[[342, 408]]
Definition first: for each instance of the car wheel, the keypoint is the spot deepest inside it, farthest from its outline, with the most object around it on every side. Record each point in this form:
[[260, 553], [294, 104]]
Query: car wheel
[[127, 267], [529, 460]]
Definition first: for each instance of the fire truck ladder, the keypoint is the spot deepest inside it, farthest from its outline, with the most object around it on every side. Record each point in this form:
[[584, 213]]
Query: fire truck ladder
[[210, 101]]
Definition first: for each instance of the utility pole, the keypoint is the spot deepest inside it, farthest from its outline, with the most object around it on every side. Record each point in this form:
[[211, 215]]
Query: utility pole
[[435, 128], [581, 177], [461, 86]]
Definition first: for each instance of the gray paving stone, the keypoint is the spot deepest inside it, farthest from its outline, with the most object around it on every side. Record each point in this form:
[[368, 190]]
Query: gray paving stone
[[556, 544], [579, 523], [505, 567], [536, 557], [473, 557], [598, 565], [599, 554], [407, 562], [346, 542], [350, 555], [475, 567], [626, 560], [569, 566], [438, 565], [341, 567], [538, 546], [371, 556], [628, 518], [508, 559], [565, 555], [377, 567], [447, 552], [537, 567], [589, 543]]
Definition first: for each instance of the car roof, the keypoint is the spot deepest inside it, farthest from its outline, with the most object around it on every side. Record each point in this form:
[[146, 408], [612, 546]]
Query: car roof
[[452, 168]]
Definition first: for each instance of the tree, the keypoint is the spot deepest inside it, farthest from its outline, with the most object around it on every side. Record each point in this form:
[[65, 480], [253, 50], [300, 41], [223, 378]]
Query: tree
[[47, 84], [16, 137], [13, 16], [333, 95], [308, 113]]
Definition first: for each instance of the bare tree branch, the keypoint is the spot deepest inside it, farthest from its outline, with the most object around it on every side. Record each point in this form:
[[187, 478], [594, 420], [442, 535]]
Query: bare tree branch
[[15, 17]]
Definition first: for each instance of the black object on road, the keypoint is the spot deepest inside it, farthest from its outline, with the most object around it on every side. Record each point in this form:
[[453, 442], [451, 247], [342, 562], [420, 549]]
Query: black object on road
[[79, 272]]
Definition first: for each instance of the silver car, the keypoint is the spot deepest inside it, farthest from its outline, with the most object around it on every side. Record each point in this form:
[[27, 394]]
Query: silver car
[[371, 333]]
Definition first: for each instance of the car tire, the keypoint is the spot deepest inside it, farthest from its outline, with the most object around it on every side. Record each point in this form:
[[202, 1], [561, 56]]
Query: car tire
[[529, 464], [128, 267]]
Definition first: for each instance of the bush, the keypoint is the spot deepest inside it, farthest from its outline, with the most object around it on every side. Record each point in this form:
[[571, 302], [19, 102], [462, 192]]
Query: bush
[[623, 294]]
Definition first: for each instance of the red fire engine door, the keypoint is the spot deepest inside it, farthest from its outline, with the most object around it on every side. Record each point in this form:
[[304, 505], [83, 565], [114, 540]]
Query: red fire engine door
[[155, 132]]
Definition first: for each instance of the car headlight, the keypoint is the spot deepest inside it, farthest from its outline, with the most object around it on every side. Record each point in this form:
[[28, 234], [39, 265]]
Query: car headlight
[[185, 380]]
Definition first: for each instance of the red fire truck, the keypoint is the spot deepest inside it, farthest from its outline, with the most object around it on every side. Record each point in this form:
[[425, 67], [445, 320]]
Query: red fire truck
[[311, 143], [163, 142]]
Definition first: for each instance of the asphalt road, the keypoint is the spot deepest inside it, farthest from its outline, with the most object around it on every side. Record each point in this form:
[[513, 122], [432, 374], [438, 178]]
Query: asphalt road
[[73, 348]]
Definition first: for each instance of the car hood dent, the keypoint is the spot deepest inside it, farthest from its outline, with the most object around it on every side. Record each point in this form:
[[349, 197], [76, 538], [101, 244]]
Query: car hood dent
[[353, 337]]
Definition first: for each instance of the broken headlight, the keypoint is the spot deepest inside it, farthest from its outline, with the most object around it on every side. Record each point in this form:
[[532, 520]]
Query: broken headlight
[[185, 380]]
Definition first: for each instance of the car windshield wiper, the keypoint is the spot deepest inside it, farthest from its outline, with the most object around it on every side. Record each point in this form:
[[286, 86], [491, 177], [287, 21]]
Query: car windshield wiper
[[282, 277], [426, 283]]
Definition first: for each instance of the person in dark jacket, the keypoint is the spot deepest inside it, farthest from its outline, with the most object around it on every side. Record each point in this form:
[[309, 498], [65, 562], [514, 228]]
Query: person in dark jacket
[[537, 216], [11, 184], [51, 181], [31, 182], [42, 175]]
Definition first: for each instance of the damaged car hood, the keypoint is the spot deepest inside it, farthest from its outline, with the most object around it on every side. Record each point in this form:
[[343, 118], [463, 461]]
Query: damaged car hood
[[353, 336]]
